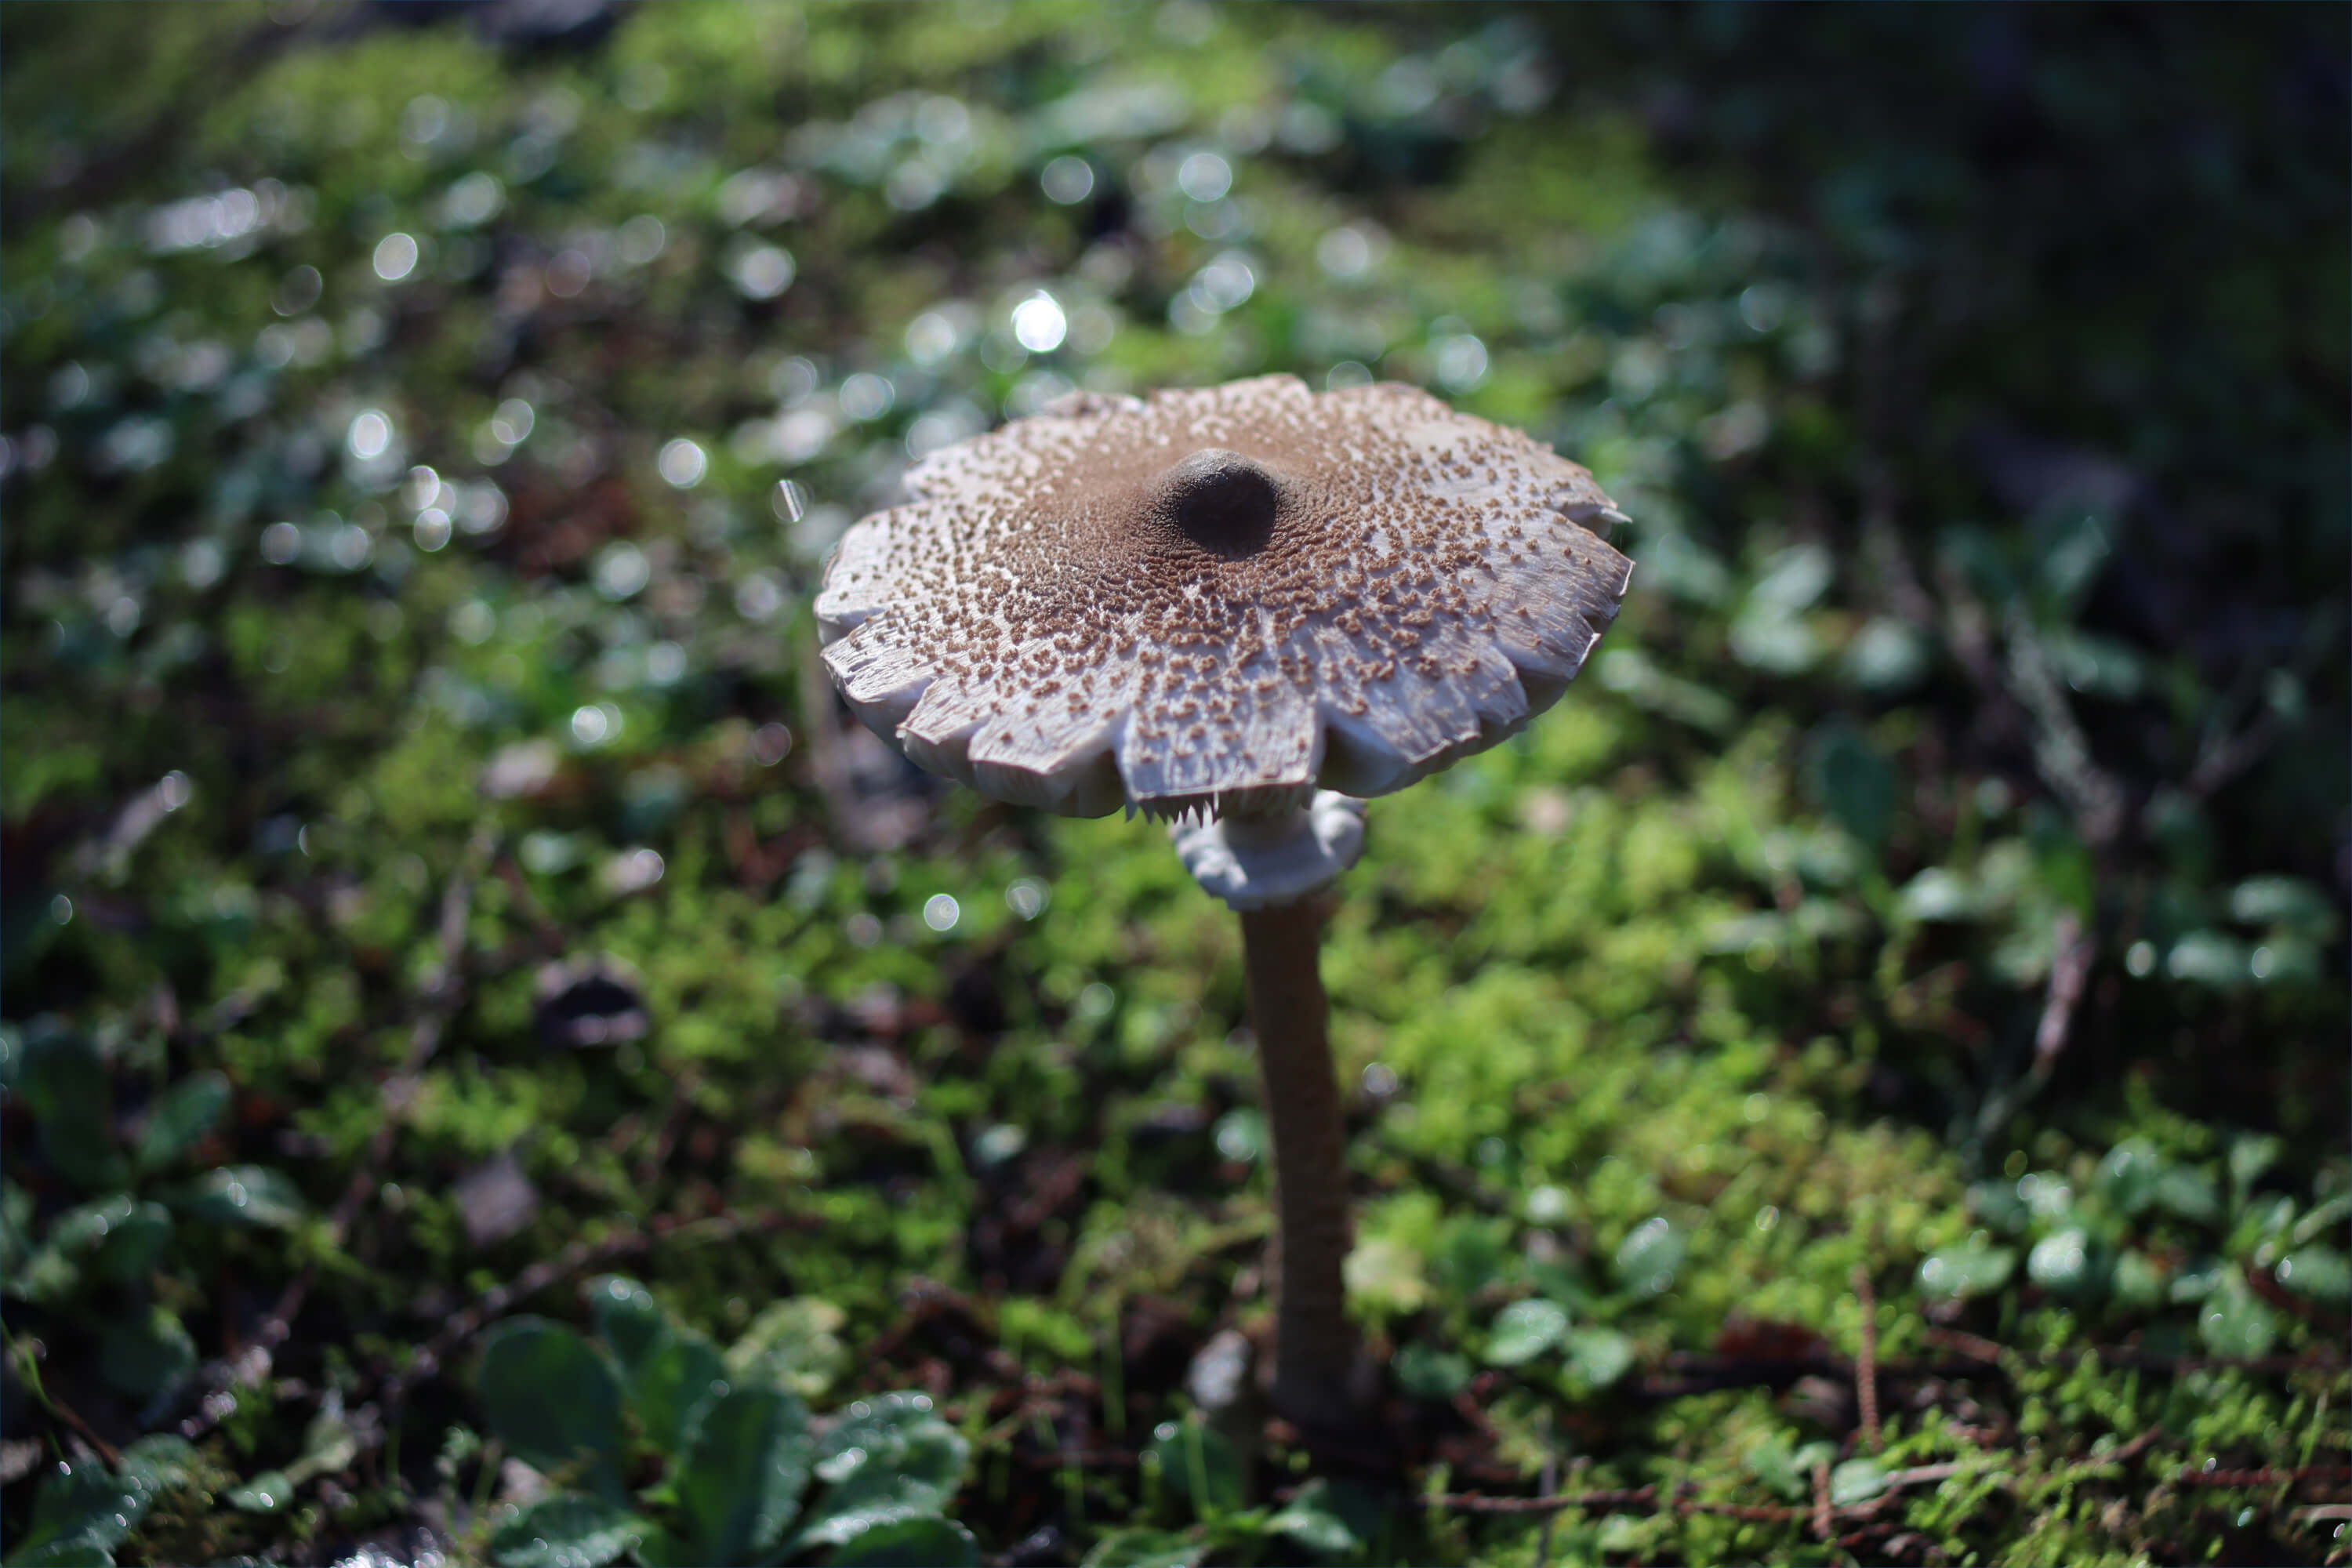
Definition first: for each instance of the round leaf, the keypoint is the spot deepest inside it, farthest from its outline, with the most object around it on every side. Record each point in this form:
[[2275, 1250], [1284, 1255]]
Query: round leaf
[[1599, 1356], [2063, 1262], [1309, 1520], [550, 1398], [182, 1118], [1648, 1256], [2234, 1322], [147, 1353], [1429, 1373], [1856, 1480], [1957, 1271], [630, 1322], [1524, 1330], [249, 1197]]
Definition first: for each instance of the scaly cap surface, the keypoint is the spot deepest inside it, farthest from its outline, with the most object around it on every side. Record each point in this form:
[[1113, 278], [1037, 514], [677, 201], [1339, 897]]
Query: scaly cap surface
[[1217, 600]]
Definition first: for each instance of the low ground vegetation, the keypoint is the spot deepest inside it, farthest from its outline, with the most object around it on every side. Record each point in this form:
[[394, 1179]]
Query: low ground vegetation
[[495, 1063]]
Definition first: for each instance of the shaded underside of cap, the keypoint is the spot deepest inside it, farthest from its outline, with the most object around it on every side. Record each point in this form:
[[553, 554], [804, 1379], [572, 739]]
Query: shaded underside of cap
[[1044, 622]]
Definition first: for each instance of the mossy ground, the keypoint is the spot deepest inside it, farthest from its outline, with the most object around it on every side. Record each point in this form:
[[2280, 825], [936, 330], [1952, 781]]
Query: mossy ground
[[1976, 380]]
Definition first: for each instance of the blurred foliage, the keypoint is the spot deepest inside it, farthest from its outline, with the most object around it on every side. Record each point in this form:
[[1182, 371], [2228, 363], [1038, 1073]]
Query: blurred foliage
[[436, 867]]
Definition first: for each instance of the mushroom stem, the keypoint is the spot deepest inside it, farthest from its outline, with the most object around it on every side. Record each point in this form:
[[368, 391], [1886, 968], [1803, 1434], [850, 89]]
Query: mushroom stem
[[1314, 1344]]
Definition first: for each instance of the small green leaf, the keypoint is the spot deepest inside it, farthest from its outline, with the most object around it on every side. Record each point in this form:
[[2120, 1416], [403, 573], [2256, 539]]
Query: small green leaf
[[1309, 1520], [16, 1225], [887, 1458], [2251, 1155], [552, 1399], [2321, 1273], [64, 1081], [2285, 901], [1524, 1330], [1198, 1465], [146, 1353], [2138, 1281], [1648, 1256], [1144, 1548], [1470, 1253], [568, 1529], [135, 1245], [2188, 1193], [661, 1547], [1427, 1373], [1386, 1275], [794, 1341], [674, 1388], [2127, 1177], [1599, 1356], [2325, 1215], [2198, 1280], [1855, 1481], [629, 1320], [2063, 1262], [917, 1542], [1999, 1206], [48, 1275], [249, 1197], [2209, 958], [1853, 781], [1957, 1271], [1240, 1134], [80, 1514], [160, 1461], [742, 1488], [183, 1116], [2234, 1322], [1787, 1468], [329, 1446], [267, 1493], [63, 1554]]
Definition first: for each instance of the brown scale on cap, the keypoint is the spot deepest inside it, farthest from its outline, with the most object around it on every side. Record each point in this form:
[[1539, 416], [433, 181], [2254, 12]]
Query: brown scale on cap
[[1219, 599]]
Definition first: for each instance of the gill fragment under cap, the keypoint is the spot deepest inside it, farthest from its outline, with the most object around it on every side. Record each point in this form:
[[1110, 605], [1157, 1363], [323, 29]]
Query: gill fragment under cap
[[1219, 600]]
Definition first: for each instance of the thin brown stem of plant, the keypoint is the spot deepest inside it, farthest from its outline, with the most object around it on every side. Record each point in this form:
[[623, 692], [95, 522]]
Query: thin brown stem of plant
[[2068, 970], [1821, 1513], [1315, 1345], [1865, 1366]]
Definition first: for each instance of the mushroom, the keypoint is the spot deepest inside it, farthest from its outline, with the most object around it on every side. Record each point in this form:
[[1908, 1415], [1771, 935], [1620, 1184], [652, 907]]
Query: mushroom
[[1244, 609]]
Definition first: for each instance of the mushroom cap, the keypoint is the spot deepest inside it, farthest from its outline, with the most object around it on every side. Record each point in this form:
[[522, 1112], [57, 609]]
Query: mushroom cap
[[1217, 600]]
